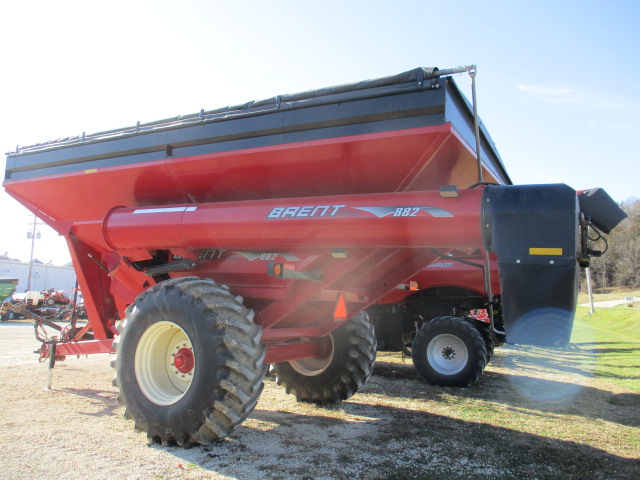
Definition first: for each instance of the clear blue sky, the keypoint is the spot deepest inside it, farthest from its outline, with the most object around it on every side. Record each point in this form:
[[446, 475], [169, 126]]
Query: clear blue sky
[[558, 81]]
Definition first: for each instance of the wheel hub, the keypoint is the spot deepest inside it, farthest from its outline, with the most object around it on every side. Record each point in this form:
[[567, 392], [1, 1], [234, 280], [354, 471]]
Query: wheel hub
[[448, 353], [184, 360]]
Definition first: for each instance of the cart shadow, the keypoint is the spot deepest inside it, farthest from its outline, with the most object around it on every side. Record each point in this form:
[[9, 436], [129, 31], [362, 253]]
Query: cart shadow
[[377, 442], [601, 348]]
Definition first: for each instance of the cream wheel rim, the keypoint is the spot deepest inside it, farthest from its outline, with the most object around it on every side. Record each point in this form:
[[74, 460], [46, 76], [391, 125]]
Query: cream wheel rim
[[312, 366], [164, 363]]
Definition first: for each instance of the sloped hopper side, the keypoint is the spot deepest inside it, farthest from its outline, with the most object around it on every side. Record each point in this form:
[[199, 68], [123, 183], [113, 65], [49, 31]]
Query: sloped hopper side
[[534, 231]]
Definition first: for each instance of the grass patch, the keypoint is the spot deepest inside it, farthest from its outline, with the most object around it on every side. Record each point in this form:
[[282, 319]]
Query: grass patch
[[612, 335]]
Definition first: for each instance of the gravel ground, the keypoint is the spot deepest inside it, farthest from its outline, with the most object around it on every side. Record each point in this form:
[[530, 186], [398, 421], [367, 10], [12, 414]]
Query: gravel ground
[[396, 427]]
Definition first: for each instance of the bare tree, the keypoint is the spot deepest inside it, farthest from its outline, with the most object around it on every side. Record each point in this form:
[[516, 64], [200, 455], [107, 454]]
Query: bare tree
[[627, 248], [620, 266]]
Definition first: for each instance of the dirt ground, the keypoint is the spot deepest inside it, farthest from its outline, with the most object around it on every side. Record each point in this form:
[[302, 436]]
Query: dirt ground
[[507, 426]]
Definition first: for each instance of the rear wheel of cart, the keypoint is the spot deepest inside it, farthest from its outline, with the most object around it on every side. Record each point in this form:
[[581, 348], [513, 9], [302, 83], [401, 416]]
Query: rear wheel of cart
[[189, 362], [339, 374], [487, 336], [449, 351]]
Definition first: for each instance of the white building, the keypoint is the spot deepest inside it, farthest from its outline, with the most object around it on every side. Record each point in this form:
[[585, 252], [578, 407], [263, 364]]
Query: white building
[[43, 277]]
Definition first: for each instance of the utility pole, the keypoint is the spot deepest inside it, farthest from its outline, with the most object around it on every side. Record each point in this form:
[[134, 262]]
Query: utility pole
[[32, 235], [591, 308]]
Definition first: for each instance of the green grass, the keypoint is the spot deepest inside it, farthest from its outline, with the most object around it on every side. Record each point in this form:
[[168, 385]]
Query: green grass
[[613, 335]]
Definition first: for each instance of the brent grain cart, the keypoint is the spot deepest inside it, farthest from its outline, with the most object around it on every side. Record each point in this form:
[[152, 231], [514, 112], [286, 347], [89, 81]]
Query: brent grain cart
[[211, 245]]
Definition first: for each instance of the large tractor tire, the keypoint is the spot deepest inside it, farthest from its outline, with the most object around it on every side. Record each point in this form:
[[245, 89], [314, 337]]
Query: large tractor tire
[[339, 374], [189, 362], [450, 352]]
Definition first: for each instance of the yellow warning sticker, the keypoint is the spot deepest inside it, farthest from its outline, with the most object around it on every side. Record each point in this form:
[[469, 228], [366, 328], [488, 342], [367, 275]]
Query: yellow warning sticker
[[91, 170], [545, 251]]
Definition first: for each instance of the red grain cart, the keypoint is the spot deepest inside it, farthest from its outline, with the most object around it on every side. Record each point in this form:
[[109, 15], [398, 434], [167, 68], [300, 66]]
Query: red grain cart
[[258, 234]]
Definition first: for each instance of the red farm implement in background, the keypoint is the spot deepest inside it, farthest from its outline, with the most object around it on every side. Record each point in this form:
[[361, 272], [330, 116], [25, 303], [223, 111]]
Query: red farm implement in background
[[208, 246]]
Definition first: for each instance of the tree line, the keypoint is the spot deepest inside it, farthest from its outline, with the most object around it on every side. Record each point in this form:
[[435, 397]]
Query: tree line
[[620, 265]]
